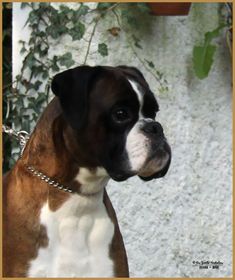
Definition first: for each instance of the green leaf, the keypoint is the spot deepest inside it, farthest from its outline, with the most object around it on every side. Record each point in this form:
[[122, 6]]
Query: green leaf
[[128, 15], [45, 75], [19, 102], [66, 60], [150, 63], [55, 31], [31, 99], [159, 74], [144, 7], [54, 66], [83, 10], [36, 85], [65, 9], [34, 116], [137, 42], [41, 34], [103, 49], [32, 17], [203, 56], [40, 99], [44, 5], [213, 34], [29, 61], [77, 31], [23, 50], [43, 52], [104, 6], [24, 4], [26, 125], [203, 59]]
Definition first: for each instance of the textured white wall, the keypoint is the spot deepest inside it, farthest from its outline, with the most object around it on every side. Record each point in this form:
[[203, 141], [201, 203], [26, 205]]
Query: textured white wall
[[186, 216]]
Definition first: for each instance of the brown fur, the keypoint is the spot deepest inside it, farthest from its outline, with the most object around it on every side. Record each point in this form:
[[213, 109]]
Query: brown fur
[[117, 249], [52, 148]]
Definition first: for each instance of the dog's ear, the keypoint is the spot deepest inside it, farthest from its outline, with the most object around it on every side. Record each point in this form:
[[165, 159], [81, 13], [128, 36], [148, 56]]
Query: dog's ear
[[72, 87]]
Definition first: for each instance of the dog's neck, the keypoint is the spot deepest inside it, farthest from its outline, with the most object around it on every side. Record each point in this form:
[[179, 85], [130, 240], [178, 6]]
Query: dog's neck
[[53, 150]]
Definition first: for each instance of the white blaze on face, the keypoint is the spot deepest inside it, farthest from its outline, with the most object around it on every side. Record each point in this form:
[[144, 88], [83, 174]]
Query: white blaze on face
[[137, 147], [137, 144], [139, 95]]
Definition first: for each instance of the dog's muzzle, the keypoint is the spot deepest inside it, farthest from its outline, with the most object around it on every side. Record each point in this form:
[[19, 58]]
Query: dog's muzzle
[[159, 158]]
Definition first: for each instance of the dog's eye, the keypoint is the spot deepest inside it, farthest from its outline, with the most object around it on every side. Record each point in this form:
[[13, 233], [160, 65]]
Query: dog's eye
[[121, 115]]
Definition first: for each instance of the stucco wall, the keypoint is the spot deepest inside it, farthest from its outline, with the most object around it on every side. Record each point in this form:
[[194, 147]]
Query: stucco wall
[[186, 216]]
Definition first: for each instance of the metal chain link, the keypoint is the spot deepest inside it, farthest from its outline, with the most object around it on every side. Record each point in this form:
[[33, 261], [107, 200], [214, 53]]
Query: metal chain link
[[22, 136]]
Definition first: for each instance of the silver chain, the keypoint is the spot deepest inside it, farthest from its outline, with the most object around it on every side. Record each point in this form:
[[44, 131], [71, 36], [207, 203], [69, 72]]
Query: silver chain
[[22, 136], [48, 180]]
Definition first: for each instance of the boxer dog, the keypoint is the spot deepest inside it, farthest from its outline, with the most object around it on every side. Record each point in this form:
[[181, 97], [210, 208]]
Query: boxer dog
[[58, 220]]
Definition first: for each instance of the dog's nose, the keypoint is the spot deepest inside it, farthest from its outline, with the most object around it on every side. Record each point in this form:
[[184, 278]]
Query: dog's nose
[[153, 128]]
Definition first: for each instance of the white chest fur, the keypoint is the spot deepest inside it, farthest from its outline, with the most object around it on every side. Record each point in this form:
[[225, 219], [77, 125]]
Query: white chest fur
[[79, 233]]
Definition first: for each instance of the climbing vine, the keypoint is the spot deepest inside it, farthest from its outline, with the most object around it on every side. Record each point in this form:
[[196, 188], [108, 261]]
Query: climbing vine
[[28, 95]]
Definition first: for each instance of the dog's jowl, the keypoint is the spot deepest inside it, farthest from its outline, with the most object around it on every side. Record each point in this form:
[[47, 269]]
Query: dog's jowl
[[58, 219]]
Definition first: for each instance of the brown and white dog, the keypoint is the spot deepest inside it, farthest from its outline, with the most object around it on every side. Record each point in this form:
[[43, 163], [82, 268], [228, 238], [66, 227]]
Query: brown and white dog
[[101, 124]]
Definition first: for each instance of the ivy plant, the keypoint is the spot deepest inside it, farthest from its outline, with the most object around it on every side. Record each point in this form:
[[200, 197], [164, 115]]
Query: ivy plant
[[28, 95], [203, 55]]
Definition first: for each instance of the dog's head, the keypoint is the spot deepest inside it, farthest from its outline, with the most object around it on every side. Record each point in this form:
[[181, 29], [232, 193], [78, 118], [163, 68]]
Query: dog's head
[[112, 112]]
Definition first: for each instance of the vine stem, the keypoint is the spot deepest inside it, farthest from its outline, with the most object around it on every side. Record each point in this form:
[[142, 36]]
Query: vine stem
[[94, 28], [90, 40], [106, 10], [134, 51]]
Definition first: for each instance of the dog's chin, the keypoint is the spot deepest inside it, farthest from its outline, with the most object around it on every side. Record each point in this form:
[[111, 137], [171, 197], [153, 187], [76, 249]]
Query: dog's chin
[[120, 177], [155, 168]]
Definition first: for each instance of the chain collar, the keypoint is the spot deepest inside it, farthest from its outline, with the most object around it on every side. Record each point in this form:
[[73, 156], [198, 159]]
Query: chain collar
[[51, 182], [48, 180], [22, 136]]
